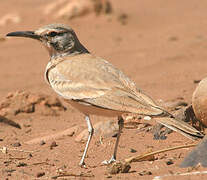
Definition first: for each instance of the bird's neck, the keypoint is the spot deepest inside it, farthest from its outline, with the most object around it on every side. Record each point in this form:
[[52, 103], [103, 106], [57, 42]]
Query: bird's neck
[[77, 50]]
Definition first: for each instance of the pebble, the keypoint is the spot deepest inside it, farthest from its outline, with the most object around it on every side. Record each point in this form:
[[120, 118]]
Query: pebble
[[133, 150], [42, 142], [53, 144], [145, 172], [169, 162], [147, 118], [21, 164], [40, 174], [17, 144]]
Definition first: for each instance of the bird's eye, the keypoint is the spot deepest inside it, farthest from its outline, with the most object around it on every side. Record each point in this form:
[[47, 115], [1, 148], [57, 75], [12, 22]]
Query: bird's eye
[[52, 34]]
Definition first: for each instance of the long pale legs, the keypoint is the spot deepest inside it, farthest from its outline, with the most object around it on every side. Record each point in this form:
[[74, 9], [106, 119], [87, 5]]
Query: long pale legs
[[91, 130], [121, 125], [90, 134]]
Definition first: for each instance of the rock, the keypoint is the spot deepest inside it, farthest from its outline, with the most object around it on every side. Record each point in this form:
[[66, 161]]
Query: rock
[[169, 162], [53, 144], [196, 81], [132, 121], [187, 114], [4, 150], [118, 167], [173, 38], [145, 172], [199, 101], [76, 8], [174, 104], [103, 128], [40, 174], [197, 156], [180, 114], [2, 38], [21, 164], [147, 118], [26, 102], [133, 150], [122, 18], [42, 142], [17, 144]]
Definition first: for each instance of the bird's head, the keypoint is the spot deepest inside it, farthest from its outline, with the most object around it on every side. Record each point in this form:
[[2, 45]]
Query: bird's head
[[59, 39]]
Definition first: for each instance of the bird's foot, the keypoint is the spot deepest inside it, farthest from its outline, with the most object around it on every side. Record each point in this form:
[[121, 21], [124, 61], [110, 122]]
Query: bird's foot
[[106, 162], [82, 164]]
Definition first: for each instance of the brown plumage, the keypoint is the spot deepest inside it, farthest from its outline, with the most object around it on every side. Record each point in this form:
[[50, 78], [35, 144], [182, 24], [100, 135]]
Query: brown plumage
[[93, 85]]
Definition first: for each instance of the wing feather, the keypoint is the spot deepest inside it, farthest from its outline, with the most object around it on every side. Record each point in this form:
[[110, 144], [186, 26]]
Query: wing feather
[[97, 82]]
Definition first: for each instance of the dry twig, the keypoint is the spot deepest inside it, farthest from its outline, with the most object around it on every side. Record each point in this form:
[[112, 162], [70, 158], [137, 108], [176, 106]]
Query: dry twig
[[147, 155], [5, 150], [72, 174], [180, 174]]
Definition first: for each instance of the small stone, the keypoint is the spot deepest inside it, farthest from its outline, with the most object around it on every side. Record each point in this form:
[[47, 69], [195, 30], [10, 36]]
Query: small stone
[[173, 38], [182, 103], [40, 174], [2, 38], [28, 131], [123, 18], [3, 149], [169, 162], [17, 144], [133, 150], [27, 125], [42, 142], [119, 167], [9, 170], [196, 81], [147, 118], [125, 168], [108, 176], [30, 155], [21, 164], [7, 163], [53, 144], [143, 173]]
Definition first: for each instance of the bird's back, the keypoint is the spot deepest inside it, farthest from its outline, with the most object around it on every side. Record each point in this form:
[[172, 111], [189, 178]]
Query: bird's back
[[93, 80]]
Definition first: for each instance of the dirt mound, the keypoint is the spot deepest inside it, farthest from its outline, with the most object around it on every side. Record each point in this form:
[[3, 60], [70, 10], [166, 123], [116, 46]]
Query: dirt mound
[[77, 8], [26, 102]]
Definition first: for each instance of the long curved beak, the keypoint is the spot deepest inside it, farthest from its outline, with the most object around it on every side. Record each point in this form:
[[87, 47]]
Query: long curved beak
[[28, 34]]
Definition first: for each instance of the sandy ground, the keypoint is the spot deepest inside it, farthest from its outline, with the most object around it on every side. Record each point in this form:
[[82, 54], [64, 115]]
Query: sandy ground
[[162, 47]]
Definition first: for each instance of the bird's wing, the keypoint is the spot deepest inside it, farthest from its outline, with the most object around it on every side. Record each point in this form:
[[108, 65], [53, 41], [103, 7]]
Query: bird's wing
[[95, 81], [180, 126]]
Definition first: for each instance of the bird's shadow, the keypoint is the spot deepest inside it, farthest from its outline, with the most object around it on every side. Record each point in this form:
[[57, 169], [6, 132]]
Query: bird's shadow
[[7, 121]]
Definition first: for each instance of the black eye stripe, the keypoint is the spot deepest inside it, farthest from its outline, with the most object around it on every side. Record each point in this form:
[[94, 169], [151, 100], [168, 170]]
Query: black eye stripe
[[52, 34]]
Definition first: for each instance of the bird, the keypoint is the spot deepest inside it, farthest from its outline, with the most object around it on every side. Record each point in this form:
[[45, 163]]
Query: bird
[[94, 86]]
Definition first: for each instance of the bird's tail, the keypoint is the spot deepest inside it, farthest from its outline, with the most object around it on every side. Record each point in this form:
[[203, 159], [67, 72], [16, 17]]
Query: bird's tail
[[180, 127]]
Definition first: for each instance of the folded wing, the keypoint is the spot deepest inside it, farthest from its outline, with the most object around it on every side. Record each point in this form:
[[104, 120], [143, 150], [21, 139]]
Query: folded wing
[[94, 81]]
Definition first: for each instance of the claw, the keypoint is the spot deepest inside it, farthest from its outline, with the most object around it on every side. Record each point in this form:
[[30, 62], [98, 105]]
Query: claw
[[106, 162], [82, 164]]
